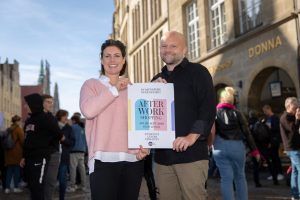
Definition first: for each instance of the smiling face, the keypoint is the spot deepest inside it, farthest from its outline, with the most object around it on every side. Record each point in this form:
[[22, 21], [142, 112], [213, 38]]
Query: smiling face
[[112, 60], [172, 48]]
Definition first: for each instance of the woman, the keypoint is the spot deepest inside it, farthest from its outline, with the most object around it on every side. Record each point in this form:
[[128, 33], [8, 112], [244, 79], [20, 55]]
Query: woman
[[66, 146], [13, 156], [115, 171], [229, 150]]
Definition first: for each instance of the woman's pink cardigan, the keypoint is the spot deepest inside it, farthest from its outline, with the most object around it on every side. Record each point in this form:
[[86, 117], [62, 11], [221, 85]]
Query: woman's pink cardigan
[[106, 116]]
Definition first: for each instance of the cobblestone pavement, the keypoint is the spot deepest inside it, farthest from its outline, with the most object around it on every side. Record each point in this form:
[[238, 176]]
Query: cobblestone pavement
[[267, 192]]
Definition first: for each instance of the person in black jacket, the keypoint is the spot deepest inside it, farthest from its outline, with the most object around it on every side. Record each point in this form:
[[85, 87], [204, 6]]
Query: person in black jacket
[[260, 134], [229, 150], [272, 121], [66, 146], [40, 130], [182, 171]]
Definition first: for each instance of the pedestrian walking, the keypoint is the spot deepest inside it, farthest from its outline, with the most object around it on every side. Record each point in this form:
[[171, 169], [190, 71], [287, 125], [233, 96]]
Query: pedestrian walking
[[14, 155], [40, 130], [65, 146], [289, 130], [229, 150]]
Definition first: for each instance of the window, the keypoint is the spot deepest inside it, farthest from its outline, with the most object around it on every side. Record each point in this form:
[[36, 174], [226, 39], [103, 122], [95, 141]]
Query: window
[[250, 14], [136, 23], [193, 30], [155, 10], [134, 26], [157, 61], [217, 22], [145, 15], [139, 66], [134, 68]]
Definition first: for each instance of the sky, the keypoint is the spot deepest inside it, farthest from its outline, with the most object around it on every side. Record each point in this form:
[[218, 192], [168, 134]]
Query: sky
[[67, 33]]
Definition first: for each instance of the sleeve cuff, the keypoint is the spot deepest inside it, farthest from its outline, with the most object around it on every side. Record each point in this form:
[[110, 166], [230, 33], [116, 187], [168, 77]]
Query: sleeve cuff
[[114, 91], [201, 127]]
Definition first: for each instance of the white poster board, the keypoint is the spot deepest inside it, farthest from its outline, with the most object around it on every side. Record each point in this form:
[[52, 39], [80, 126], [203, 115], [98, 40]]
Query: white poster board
[[151, 115]]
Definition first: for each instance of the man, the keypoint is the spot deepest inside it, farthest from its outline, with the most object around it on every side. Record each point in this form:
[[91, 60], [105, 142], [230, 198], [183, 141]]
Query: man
[[181, 172], [51, 173], [77, 155], [66, 146], [289, 130], [40, 130], [272, 121]]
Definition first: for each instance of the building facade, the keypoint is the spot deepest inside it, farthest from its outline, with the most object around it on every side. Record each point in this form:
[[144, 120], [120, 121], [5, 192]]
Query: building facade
[[251, 45], [140, 24], [10, 92]]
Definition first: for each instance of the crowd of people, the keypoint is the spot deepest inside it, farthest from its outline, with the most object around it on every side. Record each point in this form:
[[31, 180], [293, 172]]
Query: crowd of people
[[56, 149], [44, 152]]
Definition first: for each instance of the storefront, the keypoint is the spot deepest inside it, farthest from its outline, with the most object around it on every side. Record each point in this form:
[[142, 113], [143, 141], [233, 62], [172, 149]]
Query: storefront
[[262, 67]]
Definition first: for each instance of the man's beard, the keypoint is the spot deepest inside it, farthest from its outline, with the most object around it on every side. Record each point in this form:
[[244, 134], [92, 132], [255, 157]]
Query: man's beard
[[172, 61]]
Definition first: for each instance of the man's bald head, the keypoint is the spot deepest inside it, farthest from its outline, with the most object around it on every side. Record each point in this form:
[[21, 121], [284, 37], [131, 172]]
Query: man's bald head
[[172, 48], [175, 35]]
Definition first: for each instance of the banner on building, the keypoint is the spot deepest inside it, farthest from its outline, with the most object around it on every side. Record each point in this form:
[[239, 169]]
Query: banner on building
[[151, 117]]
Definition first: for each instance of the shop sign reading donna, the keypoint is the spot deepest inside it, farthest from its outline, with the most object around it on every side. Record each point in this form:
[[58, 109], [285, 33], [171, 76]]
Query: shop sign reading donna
[[264, 47]]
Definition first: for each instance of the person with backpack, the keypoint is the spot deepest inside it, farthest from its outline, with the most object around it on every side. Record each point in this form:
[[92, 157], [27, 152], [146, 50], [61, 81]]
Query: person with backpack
[[229, 150], [13, 155]]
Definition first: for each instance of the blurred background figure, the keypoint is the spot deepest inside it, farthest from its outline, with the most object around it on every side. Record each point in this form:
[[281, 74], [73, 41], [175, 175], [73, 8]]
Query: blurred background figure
[[272, 121], [51, 173], [77, 155], [229, 150], [2, 166], [65, 149], [289, 130], [14, 155]]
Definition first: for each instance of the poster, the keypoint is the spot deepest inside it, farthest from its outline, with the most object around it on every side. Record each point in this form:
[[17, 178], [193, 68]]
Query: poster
[[275, 88], [151, 117]]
